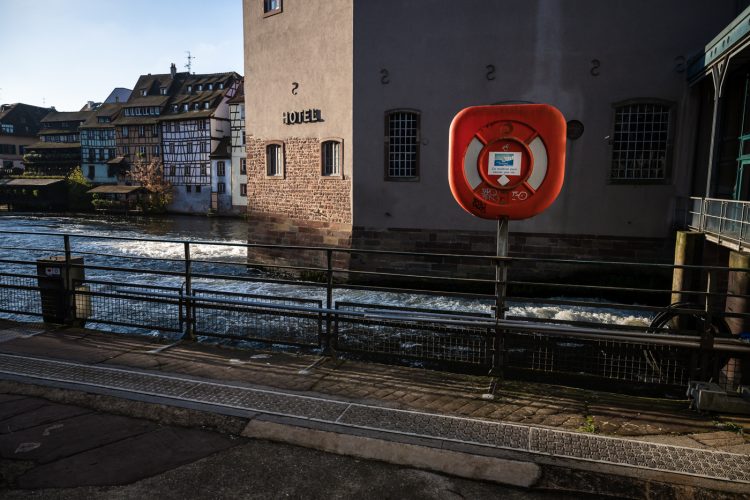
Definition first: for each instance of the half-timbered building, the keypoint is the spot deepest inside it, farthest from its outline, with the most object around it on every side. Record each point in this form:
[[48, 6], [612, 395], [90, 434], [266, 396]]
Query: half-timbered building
[[239, 155], [137, 131], [19, 126], [58, 150], [98, 146], [192, 126]]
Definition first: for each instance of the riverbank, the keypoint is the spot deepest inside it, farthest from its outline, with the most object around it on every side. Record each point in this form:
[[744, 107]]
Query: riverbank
[[595, 442]]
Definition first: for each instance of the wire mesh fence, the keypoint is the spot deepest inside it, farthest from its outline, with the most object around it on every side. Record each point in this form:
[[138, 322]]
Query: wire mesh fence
[[140, 307], [608, 359], [19, 296], [422, 338], [261, 318]]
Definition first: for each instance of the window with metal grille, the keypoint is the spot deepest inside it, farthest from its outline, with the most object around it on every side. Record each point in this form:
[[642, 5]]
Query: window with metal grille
[[330, 157], [221, 188], [243, 166], [274, 160], [243, 189], [402, 145], [220, 169], [641, 141]]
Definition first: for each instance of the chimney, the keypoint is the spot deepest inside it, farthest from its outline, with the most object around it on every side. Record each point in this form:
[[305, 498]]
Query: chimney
[[173, 70]]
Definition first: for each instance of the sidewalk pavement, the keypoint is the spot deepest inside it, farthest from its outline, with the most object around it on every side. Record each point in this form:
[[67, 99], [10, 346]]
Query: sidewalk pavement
[[420, 410]]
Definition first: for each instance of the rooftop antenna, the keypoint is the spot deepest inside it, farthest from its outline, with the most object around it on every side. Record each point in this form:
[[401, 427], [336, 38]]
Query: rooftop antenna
[[190, 58]]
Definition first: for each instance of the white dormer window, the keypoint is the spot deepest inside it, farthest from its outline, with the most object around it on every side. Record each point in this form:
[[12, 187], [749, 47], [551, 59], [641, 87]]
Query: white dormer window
[[190, 88], [200, 87], [221, 86], [144, 92], [210, 86], [184, 107], [175, 108], [206, 104], [163, 90]]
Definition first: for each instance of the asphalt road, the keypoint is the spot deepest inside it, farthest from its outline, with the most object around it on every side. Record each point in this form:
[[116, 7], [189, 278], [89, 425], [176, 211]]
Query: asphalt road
[[51, 450]]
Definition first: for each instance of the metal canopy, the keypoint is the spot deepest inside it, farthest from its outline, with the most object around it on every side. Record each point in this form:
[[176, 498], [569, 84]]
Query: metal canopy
[[732, 39]]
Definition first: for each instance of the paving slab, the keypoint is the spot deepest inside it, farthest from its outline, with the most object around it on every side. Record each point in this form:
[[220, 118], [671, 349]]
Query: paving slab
[[63, 438], [10, 397], [73, 345], [9, 409], [128, 460], [39, 415]]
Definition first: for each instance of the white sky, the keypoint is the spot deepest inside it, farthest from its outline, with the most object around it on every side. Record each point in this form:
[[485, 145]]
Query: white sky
[[64, 53]]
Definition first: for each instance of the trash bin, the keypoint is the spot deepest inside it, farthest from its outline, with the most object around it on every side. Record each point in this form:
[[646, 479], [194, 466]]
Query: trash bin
[[54, 283]]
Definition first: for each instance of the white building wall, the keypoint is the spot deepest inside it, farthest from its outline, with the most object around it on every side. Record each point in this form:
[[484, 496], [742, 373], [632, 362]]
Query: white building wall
[[237, 114]]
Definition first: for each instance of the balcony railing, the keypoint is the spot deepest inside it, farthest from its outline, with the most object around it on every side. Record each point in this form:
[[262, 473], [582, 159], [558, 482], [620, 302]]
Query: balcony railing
[[725, 221]]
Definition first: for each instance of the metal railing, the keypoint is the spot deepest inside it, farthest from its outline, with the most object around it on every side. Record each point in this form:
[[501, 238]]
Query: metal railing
[[725, 221], [229, 292]]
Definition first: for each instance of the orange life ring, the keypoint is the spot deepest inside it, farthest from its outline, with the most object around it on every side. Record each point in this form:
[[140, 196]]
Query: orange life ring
[[507, 160]]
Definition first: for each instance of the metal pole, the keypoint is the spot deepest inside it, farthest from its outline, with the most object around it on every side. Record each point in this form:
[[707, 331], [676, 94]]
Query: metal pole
[[501, 275], [713, 149], [330, 342], [189, 311], [67, 282]]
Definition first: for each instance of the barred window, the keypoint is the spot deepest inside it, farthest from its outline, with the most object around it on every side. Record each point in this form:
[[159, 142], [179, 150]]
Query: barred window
[[641, 141], [330, 157], [402, 145], [274, 160], [221, 188], [220, 169]]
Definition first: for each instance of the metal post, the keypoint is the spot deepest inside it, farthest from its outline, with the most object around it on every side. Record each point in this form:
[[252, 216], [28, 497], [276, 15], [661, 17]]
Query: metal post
[[501, 275], [68, 282], [189, 310], [742, 225], [713, 149], [330, 341]]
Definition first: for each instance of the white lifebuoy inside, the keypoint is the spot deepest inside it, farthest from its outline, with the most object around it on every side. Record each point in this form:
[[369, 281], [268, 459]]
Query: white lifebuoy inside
[[471, 159], [539, 165], [539, 152]]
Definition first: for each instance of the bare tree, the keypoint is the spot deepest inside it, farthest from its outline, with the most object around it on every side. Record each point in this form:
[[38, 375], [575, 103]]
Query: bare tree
[[150, 175]]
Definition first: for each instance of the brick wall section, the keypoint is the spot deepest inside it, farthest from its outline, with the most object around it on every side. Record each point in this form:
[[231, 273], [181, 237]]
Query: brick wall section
[[278, 229], [303, 194]]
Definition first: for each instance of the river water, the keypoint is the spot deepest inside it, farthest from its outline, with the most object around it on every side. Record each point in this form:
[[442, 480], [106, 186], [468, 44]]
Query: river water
[[136, 254]]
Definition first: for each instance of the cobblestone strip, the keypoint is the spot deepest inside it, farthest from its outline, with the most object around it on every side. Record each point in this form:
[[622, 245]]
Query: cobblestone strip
[[706, 463]]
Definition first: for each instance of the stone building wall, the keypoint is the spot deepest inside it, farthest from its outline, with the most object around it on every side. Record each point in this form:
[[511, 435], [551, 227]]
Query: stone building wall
[[302, 193]]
